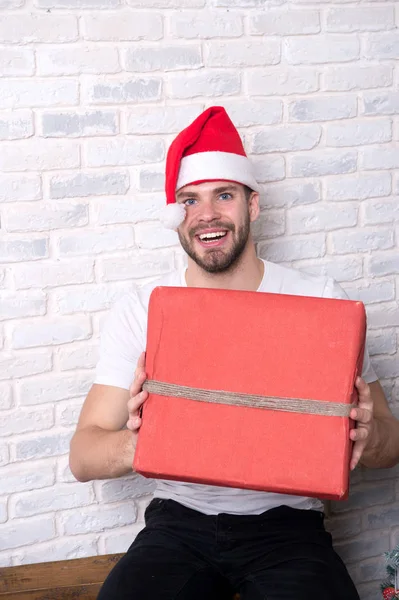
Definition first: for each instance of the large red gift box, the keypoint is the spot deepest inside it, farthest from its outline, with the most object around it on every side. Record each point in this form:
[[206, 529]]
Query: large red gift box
[[300, 351]]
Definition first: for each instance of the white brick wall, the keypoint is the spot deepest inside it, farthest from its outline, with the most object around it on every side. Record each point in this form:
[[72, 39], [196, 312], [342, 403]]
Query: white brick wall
[[91, 93]]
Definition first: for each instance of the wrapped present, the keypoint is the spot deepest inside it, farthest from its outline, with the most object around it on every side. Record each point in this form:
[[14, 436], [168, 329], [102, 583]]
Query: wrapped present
[[251, 390]]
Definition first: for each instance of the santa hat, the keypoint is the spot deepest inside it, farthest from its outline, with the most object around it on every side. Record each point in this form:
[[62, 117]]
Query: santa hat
[[210, 149]]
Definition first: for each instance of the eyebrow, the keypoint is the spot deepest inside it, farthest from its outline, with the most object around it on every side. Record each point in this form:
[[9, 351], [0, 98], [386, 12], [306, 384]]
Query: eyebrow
[[219, 190]]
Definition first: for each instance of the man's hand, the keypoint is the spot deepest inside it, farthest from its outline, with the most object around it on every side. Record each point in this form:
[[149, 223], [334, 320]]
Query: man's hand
[[137, 396], [363, 415]]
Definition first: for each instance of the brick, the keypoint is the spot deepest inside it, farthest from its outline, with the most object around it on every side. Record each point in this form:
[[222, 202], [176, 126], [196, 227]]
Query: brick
[[372, 569], [96, 242], [20, 188], [381, 103], [42, 445], [375, 292], [386, 263], [86, 299], [381, 158], [152, 180], [136, 266], [359, 132], [16, 532], [46, 217], [344, 527], [323, 162], [124, 488], [211, 84], [124, 151], [272, 169], [240, 3], [79, 124], [50, 332], [291, 193], [386, 367], [16, 125], [347, 78], [205, 24], [35, 154], [243, 53], [95, 183], [22, 249], [47, 274], [286, 138], [380, 211], [167, 3], [381, 474], [123, 26], [160, 119], [34, 93], [321, 218], [285, 22], [3, 511], [382, 46], [10, 4], [120, 542], [282, 81], [19, 478], [386, 315], [80, 356], [117, 91], [162, 58], [50, 388], [269, 224], [254, 112], [77, 4], [38, 28], [363, 546], [63, 496], [358, 186], [313, 50], [381, 342], [368, 591], [125, 210], [339, 268], [60, 549], [22, 364], [312, 246], [6, 396], [347, 19], [323, 109], [94, 521], [22, 304], [152, 235], [21, 420], [64, 474], [4, 457], [361, 241], [74, 61]]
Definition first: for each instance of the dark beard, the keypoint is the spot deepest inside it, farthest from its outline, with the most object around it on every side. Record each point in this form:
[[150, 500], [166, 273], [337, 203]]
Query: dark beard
[[215, 260]]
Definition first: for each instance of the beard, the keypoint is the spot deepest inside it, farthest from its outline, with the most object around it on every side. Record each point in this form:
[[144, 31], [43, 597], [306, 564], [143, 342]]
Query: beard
[[218, 260]]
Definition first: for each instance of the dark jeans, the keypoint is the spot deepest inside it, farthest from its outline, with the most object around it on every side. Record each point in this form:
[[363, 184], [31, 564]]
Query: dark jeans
[[181, 554]]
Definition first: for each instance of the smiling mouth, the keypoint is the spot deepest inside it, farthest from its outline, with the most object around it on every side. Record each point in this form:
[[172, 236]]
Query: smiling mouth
[[212, 237]]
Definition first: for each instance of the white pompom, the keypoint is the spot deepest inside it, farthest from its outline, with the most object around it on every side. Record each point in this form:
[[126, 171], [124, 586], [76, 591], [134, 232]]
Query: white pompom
[[172, 215]]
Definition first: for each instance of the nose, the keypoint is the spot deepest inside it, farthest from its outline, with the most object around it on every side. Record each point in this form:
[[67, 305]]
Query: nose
[[209, 211]]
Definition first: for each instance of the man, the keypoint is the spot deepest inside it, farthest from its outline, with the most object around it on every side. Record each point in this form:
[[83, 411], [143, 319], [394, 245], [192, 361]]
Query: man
[[206, 541]]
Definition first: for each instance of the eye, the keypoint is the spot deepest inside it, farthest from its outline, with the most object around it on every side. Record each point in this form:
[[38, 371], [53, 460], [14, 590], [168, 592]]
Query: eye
[[225, 196], [189, 201]]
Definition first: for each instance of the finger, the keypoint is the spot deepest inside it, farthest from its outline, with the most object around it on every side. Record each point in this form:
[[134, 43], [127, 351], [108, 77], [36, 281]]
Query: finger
[[363, 389], [134, 423], [357, 452], [359, 434], [135, 403], [362, 415]]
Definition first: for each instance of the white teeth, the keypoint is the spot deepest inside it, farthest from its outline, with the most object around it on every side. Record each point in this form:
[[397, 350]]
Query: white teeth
[[210, 236]]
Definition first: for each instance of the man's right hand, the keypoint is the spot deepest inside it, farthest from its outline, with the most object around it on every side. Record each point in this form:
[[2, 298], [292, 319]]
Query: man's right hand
[[137, 397]]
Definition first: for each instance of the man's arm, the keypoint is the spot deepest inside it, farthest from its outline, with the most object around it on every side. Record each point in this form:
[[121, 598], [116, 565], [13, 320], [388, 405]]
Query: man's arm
[[101, 447], [382, 449], [376, 435]]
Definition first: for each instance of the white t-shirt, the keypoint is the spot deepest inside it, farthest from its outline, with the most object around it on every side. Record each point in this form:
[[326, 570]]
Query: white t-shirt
[[124, 338]]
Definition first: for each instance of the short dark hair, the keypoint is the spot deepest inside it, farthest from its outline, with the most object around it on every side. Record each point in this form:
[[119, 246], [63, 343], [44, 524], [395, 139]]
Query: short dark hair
[[248, 192]]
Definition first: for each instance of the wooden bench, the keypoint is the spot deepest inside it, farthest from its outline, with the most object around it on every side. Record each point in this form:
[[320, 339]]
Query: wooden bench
[[76, 579]]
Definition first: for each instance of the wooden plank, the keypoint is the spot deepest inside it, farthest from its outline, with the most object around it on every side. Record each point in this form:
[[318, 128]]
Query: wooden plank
[[81, 592], [78, 571]]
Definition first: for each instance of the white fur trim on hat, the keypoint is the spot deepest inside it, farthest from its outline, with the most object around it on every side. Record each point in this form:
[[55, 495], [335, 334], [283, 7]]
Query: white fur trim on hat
[[206, 166], [172, 215]]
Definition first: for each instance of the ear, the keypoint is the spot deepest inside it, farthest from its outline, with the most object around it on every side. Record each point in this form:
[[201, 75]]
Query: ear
[[253, 206]]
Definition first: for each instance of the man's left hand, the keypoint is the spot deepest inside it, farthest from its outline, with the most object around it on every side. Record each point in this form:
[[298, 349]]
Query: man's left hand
[[363, 415]]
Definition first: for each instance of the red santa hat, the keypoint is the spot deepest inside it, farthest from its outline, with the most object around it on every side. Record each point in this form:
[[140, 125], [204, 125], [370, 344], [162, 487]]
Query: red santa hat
[[210, 149]]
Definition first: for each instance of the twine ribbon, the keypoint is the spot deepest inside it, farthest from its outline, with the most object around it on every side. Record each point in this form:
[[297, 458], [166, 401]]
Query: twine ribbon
[[293, 405]]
